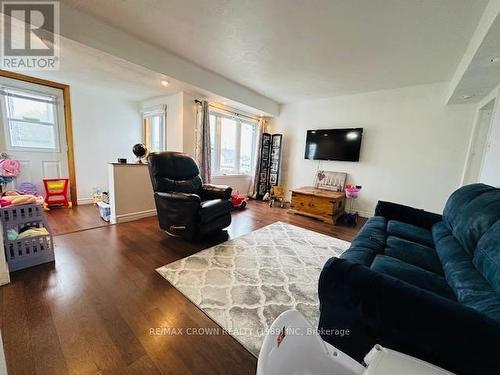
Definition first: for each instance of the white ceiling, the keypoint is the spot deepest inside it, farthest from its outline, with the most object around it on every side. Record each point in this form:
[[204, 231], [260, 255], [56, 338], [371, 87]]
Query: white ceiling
[[292, 50], [86, 66], [481, 75]]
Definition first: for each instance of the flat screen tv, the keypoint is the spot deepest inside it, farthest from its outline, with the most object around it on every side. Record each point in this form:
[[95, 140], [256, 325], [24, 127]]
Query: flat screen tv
[[334, 144]]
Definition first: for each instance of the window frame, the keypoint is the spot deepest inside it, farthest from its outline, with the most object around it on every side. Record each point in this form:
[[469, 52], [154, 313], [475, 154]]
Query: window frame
[[6, 109], [215, 168], [146, 136]]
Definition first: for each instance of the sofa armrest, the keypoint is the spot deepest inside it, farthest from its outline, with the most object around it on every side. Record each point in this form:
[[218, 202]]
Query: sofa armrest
[[378, 308], [215, 192], [406, 214]]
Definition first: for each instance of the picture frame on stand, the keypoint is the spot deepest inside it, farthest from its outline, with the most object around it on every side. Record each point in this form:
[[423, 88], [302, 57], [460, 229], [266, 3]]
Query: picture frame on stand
[[328, 180], [270, 160]]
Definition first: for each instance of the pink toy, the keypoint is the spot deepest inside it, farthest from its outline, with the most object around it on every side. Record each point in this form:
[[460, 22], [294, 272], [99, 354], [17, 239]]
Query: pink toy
[[352, 191], [4, 203], [9, 167]]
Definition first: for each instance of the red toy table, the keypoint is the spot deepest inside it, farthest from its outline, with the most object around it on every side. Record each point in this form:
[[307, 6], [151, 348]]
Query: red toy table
[[56, 191]]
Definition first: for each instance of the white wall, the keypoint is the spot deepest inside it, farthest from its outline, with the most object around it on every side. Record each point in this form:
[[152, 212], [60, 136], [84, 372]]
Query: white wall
[[174, 124], [174, 118], [181, 121], [189, 124], [239, 183], [413, 148], [490, 171], [105, 128]]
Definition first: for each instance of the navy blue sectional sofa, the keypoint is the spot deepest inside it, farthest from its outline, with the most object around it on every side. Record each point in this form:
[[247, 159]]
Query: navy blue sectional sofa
[[421, 283]]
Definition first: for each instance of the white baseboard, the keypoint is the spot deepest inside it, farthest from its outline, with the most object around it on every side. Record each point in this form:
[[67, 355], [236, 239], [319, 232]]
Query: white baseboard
[[4, 277], [3, 364], [82, 201], [132, 216]]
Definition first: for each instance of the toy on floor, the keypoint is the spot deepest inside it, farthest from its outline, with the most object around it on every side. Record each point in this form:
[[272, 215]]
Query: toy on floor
[[238, 200], [56, 191], [27, 188], [99, 196], [351, 193], [9, 170], [16, 198], [9, 167], [105, 197], [277, 194]]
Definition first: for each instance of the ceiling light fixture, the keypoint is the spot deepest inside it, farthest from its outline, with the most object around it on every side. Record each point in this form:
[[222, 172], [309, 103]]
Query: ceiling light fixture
[[165, 83]]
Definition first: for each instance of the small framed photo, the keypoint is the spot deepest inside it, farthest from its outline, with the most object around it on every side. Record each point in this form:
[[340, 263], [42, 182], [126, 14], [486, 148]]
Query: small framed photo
[[328, 180]]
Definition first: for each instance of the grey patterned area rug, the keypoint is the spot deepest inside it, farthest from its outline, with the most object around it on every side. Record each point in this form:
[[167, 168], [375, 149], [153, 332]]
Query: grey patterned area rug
[[245, 283]]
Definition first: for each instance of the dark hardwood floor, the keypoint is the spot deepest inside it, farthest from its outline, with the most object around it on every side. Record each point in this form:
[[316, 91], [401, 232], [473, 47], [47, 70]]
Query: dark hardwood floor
[[91, 312], [67, 220]]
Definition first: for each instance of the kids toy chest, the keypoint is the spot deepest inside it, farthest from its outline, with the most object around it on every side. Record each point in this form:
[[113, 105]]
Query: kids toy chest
[[26, 251]]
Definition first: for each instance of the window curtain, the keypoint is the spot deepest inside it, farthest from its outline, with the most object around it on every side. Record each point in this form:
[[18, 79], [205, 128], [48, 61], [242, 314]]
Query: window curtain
[[202, 151], [261, 128]]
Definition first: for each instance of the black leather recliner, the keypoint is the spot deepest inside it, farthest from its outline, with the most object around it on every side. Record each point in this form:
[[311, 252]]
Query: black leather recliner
[[186, 207]]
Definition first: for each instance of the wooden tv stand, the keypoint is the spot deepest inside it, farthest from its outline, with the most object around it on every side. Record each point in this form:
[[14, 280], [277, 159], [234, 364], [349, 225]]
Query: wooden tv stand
[[320, 204]]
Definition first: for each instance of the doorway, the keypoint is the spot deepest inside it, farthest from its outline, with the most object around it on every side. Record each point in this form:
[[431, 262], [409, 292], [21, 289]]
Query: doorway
[[32, 131], [35, 128], [477, 147]]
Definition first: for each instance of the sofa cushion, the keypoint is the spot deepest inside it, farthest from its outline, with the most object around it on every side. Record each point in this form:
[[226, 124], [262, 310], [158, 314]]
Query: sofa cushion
[[214, 208], [414, 253], [360, 254], [470, 212], [468, 284], [413, 275], [373, 234], [369, 242], [410, 232], [487, 256]]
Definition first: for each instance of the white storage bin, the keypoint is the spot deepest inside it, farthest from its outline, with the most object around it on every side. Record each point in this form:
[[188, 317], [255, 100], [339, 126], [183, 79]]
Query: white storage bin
[[104, 210]]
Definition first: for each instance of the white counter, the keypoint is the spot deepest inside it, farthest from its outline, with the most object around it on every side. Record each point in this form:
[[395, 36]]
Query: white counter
[[130, 192]]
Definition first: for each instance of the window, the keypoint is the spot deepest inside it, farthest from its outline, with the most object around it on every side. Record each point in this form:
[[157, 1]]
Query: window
[[30, 118], [154, 131], [233, 143]]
